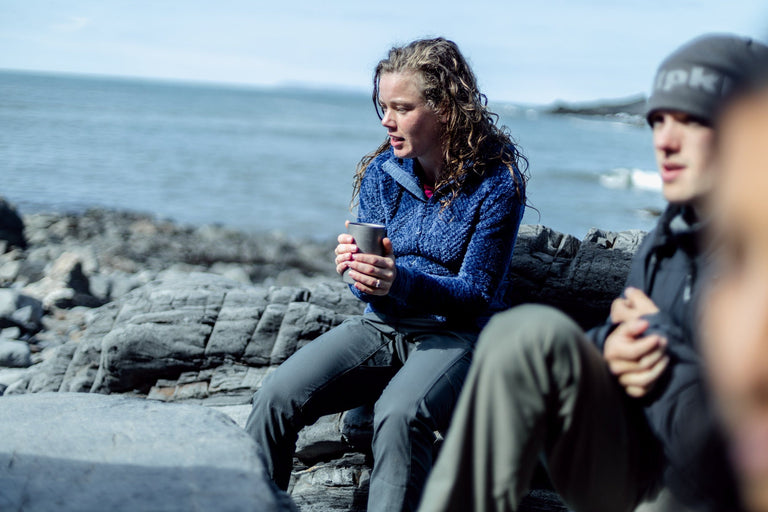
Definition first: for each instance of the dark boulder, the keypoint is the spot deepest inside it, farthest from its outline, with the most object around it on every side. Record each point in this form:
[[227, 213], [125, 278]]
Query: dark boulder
[[580, 278], [11, 226]]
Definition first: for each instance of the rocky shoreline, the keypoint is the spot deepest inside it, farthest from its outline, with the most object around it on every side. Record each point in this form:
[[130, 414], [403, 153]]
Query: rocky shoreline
[[630, 110], [122, 304]]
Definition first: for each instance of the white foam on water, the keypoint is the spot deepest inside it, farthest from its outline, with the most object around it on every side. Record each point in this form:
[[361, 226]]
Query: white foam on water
[[623, 178]]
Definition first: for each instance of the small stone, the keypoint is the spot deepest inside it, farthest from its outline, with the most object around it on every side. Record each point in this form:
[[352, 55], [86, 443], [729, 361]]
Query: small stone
[[14, 354], [9, 271], [162, 394], [10, 333], [191, 391]]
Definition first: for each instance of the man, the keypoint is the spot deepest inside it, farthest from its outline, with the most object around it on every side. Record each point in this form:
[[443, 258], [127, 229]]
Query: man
[[620, 412], [735, 315]]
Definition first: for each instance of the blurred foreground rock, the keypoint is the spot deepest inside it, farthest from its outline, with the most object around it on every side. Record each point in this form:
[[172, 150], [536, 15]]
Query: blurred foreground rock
[[95, 452], [111, 302]]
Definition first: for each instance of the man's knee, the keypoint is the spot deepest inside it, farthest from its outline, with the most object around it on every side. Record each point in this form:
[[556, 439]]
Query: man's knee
[[527, 331]]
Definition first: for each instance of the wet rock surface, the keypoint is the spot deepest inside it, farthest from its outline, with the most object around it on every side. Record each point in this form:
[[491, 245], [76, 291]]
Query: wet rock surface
[[121, 304]]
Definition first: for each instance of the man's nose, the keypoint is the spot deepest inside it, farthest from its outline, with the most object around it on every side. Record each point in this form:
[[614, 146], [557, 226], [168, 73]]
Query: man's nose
[[666, 137]]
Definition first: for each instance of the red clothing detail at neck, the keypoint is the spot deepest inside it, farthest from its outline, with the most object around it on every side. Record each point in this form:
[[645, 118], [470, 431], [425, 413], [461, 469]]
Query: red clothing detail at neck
[[428, 191]]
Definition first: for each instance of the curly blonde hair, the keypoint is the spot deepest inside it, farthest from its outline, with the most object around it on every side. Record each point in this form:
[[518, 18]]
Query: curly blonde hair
[[472, 142]]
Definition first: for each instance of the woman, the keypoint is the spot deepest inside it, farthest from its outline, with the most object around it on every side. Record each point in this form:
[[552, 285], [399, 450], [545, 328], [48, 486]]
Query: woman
[[446, 185]]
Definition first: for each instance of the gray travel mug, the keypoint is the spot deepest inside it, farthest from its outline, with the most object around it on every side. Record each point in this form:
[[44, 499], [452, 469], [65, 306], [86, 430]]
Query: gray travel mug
[[368, 239]]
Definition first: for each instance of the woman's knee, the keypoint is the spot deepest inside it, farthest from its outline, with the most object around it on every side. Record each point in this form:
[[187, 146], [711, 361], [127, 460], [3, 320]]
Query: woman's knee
[[279, 393], [390, 413], [396, 420]]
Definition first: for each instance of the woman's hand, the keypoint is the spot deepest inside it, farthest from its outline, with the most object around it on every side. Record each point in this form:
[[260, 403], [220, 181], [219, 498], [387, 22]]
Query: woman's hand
[[344, 251], [373, 274]]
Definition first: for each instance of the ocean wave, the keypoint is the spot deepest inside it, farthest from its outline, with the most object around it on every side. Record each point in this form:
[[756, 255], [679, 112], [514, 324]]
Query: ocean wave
[[624, 178]]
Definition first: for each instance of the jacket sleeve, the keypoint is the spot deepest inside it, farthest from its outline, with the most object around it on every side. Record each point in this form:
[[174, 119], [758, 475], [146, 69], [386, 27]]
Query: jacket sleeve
[[636, 278], [681, 417], [369, 210]]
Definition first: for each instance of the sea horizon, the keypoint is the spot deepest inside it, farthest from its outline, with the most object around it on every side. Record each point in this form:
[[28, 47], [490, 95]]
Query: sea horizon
[[272, 158]]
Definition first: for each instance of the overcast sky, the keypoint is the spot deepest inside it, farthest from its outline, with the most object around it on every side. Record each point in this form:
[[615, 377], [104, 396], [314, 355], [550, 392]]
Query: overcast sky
[[527, 51]]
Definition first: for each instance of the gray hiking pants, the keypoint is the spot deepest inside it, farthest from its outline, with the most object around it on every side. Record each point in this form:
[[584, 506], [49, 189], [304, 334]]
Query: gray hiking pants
[[413, 369], [539, 390]]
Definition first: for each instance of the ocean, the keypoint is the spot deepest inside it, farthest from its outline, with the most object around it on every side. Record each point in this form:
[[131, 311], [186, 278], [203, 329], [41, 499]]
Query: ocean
[[278, 159]]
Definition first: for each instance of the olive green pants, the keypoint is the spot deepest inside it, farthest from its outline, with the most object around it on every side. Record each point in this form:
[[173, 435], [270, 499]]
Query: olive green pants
[[538, 390]]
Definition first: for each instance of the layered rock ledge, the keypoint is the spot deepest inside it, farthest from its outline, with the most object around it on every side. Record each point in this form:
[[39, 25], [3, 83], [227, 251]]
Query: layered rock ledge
[[117, 303]]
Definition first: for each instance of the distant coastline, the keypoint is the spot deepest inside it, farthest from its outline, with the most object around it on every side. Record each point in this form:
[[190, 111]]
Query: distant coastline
[[632, 107]]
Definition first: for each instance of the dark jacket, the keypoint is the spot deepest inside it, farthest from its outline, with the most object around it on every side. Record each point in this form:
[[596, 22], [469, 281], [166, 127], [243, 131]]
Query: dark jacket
[[668, 267]]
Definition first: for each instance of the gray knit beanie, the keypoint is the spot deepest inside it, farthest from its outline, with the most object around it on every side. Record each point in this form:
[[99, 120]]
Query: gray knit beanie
[[699, 75]]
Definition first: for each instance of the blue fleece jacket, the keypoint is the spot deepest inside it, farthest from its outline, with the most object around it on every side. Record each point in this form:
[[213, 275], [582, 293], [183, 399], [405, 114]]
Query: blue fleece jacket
[[451, 263]]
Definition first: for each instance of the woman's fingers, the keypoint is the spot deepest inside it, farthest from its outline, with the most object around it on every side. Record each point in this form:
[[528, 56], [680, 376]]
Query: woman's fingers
[[373, 274]]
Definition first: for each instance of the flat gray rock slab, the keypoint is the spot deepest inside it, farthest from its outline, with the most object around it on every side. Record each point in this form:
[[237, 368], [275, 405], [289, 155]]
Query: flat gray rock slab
[[89, 452]]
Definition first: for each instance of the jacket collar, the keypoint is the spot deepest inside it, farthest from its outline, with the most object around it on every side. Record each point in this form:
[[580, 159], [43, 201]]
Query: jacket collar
[[679, 227], [402, 171]]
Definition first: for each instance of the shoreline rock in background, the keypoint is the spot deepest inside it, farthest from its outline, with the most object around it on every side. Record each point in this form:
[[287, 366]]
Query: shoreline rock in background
[[631, 109], [11, 227], [119, 303]]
